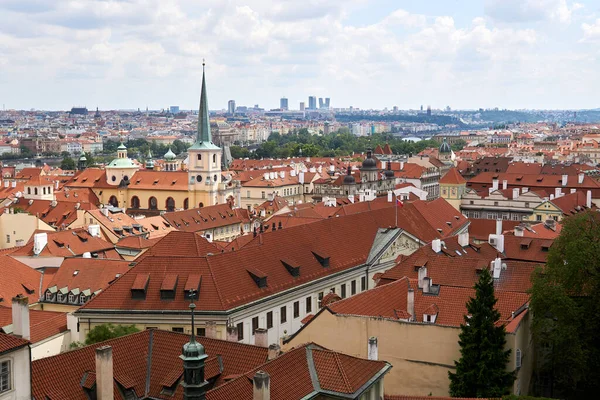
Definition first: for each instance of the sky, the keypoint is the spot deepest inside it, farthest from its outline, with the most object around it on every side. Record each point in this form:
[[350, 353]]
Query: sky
[[466, 54]]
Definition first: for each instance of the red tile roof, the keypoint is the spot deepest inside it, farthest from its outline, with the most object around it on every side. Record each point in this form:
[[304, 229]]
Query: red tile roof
[[388, 300], [67, 243], [149, 354], [59, 214], [201, 219], [346, 240], [17, 278], [91, 274], [10, 343], [42, 324], [452, 177], [480, 229]]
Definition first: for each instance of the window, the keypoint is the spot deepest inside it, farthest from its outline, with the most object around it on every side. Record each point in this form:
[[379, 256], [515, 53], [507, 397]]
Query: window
[[308, 304], [199, 157], [343, 291], [538, 217], [7, 238], [283, 315], [113, 201], [135, 202], [296, 309], [495, 204], [152, 203], [247, 194], [170, 204], [526, 205], [332, 290], [363, 283], [254, 324], [200, 331], [320, 298], [262, 194], [214, 158], [5, 379], [28, 190], [353, 287], [240, 331], [35, 191], [186, 204], [72, 298], [177, 329], [269, 319], [60, 298]]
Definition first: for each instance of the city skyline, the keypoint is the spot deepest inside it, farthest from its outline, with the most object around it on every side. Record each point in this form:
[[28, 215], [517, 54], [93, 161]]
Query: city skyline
[[533, 54]]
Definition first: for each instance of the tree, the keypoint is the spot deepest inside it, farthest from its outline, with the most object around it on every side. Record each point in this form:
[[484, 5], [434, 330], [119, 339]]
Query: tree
[[565, 302], [104, 332], [68, 163], [481, 370]]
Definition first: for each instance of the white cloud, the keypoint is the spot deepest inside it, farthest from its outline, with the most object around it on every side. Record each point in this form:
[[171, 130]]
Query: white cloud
[[122, 54], [591, 32]]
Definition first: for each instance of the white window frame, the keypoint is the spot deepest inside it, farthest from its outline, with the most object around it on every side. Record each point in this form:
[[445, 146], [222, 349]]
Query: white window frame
[[5, 376]]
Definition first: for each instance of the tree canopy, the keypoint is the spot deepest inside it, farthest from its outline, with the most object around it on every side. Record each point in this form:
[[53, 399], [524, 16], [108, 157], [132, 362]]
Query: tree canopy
[[68, 163], [481, 370], [339, 143], [104, 332], [565, 301]]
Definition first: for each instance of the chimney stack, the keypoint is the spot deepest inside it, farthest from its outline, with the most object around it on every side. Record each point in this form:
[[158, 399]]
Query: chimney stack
[[436, 245], [498, 227], [410, 303], [20, 317], [261, 337], [232, 333], [463, 239], [495, 184], [274, 350], [261, 386], [390, 196], [515, 193], [422, 274], [426, 284], [104, 373], [580, 178], [518, 230], [211, 329], [504, 184], [373, 353], [565, 178], [496, 268], [588, 199], [557, 193]]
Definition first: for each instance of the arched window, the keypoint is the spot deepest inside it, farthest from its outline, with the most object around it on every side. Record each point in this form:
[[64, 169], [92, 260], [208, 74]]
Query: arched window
[[135, 202], [28, 190], [214, 158], [152, 203], [35, 191], [199, 157], [170, 204], [44, 190], [201, 205], [113, 201], [186, 204]]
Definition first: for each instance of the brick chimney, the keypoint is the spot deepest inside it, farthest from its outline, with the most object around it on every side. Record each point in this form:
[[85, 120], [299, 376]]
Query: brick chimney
[[261, 386], [261, 337], [20, 317], [274, 350], [232, 333], [104, 373], [211, 329], [373, 351], [410, 303]]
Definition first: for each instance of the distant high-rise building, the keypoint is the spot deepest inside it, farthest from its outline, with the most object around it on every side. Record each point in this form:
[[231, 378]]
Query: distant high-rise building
[[429, 111], [327, 102], [395, 108], [321, 103], [174, 109], [312, 103], [421, 107], [283, 103], [301, 106], [231, 107]]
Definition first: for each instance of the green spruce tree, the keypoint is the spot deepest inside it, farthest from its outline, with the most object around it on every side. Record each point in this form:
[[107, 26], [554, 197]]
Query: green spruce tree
[[481, 370]]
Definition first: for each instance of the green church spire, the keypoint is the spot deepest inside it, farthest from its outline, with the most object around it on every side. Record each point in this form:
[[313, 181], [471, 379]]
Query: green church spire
[[203, 137]]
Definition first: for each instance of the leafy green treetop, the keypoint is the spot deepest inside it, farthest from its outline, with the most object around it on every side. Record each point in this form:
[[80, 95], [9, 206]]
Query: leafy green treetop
[[104, 332], [481, 370], [565, 301]]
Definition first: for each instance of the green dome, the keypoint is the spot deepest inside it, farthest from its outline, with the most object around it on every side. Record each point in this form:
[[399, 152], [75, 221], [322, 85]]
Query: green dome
[[169, 156], [121, 147], [193, 349], [121, 163], [445, 147], [82, 158]]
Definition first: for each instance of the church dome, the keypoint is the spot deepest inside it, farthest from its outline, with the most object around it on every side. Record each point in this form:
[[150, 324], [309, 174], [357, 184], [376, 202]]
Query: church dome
[[389, 174], [169, 156], [445, 147], [369, 162], [349, 179]]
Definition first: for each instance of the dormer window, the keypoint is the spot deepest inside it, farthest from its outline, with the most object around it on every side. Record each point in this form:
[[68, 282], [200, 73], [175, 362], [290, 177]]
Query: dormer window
[[168, 287], [72, 298], [259, 277]]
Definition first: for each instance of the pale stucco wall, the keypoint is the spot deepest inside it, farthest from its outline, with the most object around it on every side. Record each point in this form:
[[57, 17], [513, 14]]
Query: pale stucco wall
[[421, 354], [20, 375], [51, 346], [19, 226]]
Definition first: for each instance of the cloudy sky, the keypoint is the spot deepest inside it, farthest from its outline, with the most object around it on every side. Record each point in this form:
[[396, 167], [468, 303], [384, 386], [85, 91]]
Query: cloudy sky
[[367, 53]]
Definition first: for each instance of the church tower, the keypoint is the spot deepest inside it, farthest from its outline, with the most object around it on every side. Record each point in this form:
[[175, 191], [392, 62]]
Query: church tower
[[193, 356], [204, 162]]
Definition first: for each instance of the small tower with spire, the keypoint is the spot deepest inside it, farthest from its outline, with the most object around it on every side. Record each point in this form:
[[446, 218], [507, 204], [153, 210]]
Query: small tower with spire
[[170, 161], [193, 356], [149, 160], [204, 157], [82, 163]]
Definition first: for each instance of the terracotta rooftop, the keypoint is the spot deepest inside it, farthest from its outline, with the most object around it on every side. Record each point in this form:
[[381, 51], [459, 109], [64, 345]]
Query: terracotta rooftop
[[10, 343], [42, 324], [17, 278], [201, 219], [452, 177], [69, 243]]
